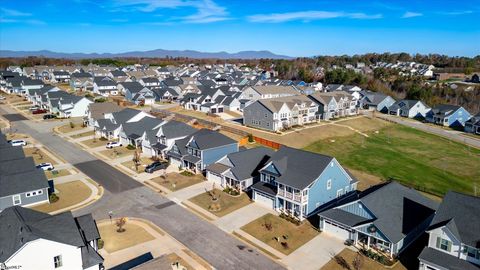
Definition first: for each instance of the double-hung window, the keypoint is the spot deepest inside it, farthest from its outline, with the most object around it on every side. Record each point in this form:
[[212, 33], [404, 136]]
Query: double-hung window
[[57, 261], [444, 244]]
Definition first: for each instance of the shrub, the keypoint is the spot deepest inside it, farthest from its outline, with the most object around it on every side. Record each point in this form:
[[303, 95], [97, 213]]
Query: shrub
[[103, 139], [72, 125], [100, 243], [53, 198], [187, 173], [250, 138], [100, 100], [130, 147]]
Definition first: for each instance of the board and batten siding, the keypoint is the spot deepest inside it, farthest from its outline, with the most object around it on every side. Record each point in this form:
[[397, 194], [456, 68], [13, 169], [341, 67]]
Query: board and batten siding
[[318, 194], [7, 201], [211, 155]]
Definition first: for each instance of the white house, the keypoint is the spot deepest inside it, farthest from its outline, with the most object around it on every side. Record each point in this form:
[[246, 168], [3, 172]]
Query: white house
[[33, 240], [409, 108]]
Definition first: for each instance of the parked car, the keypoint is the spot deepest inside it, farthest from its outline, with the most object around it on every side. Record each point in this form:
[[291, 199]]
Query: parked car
[[155, 166], [34, 108], [2, 98], [39, 111], [111, 145], [18, 142], [46, 166], [49, 116]]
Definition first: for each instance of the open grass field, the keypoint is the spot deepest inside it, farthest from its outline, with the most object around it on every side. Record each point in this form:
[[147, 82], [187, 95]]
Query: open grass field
[[227, 203], [295, 235], [175, 181], [114, 241], [410, 156], [349, 256], [69, 194]]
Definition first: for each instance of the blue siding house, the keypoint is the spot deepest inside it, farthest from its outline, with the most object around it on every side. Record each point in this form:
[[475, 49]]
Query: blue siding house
[[386, 217], [201, 149], [297, 182], [448, 115]]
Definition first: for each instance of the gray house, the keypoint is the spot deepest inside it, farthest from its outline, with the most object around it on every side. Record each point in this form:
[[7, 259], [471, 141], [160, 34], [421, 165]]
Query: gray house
[[375, 101], [239, 170], [386, 217], [201, 149], [21, 183]]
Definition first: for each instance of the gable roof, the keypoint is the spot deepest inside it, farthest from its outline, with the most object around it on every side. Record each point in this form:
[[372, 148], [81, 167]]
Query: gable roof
[[460, 213], [19, 226], [298, 168], [99, 109], [206, 139]]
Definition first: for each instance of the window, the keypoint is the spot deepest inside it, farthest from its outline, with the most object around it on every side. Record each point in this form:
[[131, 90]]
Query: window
[[473, 253], [57, 261], [444, 244], [329, 184], [339, 192], [17, 199], [305, 192]]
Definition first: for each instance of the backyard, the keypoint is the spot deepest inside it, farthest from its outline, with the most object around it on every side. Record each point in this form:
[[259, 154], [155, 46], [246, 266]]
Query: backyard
[[224, 204], [114, 241], [271, 228], [69, 194], [175, 181], [409, 156]]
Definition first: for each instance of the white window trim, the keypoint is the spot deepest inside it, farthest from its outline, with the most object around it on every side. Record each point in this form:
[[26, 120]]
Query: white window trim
[[329, 184], [19, 199]]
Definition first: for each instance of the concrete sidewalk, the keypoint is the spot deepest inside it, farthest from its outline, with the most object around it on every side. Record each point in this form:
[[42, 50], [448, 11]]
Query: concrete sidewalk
[[191, 191], [235, 220], [315, 253]]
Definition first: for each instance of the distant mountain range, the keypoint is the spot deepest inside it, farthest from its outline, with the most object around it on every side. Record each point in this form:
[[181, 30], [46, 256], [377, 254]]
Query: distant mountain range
[[149, 54]]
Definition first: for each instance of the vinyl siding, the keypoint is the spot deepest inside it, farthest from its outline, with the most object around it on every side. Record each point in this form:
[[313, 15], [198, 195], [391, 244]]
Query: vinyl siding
[[210, 156]]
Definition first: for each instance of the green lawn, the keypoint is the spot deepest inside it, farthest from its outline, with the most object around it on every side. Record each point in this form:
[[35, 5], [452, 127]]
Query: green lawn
[[410, 156], [285, 231]]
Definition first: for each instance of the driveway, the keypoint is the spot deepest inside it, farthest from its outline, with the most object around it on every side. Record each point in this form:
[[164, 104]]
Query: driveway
[[242, 216], [315, 253], [13, 117], [123, 198]]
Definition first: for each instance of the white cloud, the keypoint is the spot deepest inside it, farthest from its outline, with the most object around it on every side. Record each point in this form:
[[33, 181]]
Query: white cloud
[[206, 10], [13, 13], [309, 16], [455, 13], [410, 14]]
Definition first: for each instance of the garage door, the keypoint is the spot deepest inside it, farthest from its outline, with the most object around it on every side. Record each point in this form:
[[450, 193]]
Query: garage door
[[264, 200], [175, 162], [215, 178], [336, 230]]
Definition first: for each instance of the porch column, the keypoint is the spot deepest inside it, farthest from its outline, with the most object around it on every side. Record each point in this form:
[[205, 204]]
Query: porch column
[[391, 250], [368, 242]]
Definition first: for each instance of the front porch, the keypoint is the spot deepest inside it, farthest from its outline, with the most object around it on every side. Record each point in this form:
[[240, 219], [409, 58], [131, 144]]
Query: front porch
[[369, 242], [192, 164]]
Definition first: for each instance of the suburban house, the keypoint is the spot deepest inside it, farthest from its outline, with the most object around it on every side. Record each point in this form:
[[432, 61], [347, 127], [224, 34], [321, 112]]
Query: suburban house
[[131, 133], [105, 86], [21, 183], [327, 105], [267, 91], [164, 94], [334, 104], [239, 170], [448, 115], [137, 93], [454, 235], [375, 101], [73, 106], [60, 76], [297, 182], [109, 126], [149, 82], [159, 141], [387, 217], [201, 149], [36, 240], [409, 108], [473, 124], [276, 114], [97, 111], [82, 81]]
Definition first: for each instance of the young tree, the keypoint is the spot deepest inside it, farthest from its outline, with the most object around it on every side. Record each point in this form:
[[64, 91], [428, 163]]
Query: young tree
[[120, 223]]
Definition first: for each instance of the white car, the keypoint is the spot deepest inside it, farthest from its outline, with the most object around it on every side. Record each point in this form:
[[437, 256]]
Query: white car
[[2, 98], [45, 166], [18, 142], [34, 108], [111, 145]]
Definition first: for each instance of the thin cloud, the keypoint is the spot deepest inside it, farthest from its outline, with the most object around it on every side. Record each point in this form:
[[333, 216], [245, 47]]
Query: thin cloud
[[14, 13], [309, 16], [455, 13], [410, 14], [207, 11]]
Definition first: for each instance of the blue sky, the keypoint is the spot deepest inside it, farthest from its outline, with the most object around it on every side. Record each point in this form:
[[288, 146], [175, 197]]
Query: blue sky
[[295, 28]]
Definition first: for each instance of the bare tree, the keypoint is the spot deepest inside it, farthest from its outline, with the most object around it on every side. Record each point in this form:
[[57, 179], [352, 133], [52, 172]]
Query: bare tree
[[136, 160], [120, 223], [357, 262]]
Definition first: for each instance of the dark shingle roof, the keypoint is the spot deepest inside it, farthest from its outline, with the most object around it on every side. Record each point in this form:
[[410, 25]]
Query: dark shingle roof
[[22, 182], [461, 213], [444, 260], [206, 139], [344, 217], [247, 163]]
